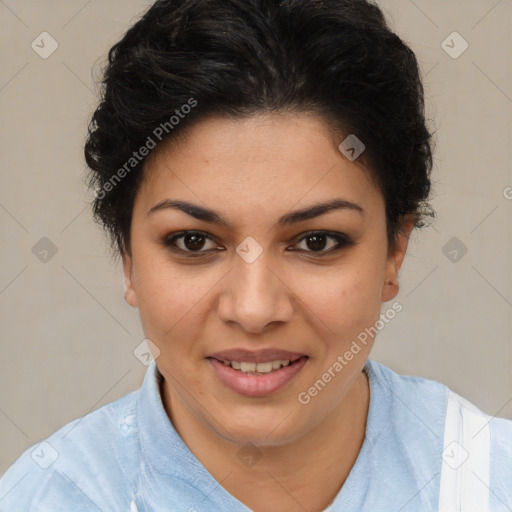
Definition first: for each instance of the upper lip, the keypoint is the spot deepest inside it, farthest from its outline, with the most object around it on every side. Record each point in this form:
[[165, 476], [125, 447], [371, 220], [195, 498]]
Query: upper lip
[[256, 356]]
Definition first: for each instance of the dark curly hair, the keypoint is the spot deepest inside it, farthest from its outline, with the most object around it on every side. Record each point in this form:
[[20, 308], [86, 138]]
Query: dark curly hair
[[186, 59]]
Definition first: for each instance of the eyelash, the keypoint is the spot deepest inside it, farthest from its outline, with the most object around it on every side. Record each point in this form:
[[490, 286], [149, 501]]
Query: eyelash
[[343, 241]]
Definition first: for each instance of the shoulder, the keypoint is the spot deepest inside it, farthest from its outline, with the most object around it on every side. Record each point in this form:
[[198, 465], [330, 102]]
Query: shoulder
[[63, 469], [426, 398], [501, 462], [411, 399], [418, 420]]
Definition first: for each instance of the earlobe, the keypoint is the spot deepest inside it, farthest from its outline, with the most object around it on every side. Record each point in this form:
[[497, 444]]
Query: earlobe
[[130, 295]]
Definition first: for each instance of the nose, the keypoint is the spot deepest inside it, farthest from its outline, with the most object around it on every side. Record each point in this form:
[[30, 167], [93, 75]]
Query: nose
[[256, 296]]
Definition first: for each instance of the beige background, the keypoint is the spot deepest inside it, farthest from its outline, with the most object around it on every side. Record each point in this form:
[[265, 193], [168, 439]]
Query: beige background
[[68, 336]]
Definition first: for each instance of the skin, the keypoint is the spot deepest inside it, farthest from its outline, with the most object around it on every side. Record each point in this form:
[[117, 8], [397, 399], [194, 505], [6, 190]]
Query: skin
[[251, 171]]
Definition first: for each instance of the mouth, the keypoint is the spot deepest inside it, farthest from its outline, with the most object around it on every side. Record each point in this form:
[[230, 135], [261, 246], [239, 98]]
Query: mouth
[[263, 368], [256, 374]]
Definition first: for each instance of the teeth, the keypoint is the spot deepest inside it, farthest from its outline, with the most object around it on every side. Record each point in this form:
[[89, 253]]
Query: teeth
[[264, 367], [248, 367]]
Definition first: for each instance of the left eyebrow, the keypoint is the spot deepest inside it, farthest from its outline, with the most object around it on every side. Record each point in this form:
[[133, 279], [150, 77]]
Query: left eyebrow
[[294, 217]]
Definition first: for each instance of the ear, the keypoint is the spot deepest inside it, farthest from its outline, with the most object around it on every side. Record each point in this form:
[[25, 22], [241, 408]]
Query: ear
[[130, 295], [395, 258]]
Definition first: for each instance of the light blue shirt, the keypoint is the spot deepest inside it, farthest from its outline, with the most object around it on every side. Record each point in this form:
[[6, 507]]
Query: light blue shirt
[[126, 456]]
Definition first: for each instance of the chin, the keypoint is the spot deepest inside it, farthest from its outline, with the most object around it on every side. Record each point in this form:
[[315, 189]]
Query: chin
[[261, 429]]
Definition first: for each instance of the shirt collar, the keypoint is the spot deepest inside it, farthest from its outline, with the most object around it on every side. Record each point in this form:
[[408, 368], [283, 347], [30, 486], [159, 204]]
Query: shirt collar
[[162, 447], [164, 450]]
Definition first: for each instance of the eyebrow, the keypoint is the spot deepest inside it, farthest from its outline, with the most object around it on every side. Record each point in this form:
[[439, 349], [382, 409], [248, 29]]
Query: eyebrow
[[293, 217]]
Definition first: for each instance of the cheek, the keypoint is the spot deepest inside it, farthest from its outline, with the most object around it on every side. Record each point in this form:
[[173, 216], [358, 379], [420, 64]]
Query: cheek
[[346, 300], [170, 302]]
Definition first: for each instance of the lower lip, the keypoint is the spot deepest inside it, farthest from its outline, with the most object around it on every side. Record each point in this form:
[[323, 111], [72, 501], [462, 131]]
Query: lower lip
[[256, 385]]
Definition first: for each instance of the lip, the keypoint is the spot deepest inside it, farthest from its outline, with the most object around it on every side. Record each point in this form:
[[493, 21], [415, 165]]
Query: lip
[[256, 356], [256, 385]]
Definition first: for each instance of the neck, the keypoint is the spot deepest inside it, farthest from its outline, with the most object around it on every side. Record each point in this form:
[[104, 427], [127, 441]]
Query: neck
[[305, 474]]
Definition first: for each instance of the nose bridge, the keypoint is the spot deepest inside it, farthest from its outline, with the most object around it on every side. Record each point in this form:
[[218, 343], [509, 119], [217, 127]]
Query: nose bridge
[[254, 279], [253, 267], [256, 296]]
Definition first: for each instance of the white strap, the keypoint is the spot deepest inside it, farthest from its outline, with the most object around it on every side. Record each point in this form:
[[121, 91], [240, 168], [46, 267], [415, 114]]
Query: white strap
[[466, 458]]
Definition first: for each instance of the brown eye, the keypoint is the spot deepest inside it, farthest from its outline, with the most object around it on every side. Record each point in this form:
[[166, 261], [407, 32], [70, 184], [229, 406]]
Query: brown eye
[[192, 243], [317, 241], [189, 241]]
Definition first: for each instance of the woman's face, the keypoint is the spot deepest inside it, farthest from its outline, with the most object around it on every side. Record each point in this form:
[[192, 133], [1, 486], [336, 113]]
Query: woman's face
[[256, 289]]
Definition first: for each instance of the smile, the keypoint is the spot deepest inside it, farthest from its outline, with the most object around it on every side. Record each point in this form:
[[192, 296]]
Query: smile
[[258, 368], [257, 379]]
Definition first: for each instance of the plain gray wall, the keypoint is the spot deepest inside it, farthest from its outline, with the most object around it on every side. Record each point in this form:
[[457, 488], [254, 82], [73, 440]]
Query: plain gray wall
[[68, 336]]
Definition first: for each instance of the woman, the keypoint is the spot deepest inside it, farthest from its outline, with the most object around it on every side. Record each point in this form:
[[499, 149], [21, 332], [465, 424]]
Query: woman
[[259, 166]]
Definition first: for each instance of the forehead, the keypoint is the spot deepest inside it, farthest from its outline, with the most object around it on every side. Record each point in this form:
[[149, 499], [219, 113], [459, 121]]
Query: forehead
[[276, 160]]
